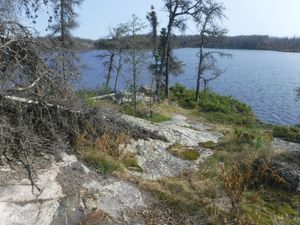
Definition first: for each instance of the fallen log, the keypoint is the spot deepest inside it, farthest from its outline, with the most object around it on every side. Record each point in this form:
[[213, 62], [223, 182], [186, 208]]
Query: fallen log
[[103, 96]]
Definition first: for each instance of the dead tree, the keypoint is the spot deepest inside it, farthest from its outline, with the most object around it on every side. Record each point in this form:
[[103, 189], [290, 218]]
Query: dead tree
[[113, 57], [206, 18]]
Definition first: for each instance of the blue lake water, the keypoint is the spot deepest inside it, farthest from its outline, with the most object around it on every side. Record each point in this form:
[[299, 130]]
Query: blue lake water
[[265, 80]]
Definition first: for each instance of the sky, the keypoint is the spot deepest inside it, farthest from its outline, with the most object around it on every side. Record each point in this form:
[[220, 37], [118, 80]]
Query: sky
[[244, 17]]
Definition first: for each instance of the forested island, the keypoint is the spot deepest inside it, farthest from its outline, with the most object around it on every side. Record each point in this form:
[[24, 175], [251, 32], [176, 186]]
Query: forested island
[[248, 42]]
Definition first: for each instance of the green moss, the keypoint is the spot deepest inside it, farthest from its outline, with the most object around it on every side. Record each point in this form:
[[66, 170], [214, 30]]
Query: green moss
[[184, 152], [209, 145], [287, 133], [157, 118]]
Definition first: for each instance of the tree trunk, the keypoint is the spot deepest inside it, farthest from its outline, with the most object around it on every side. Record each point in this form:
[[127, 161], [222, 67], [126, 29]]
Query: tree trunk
[[63, 37], [165, 50], [199, 74], [167, 74], [157, 81], [134, 88], [118, 71], [110, 68]]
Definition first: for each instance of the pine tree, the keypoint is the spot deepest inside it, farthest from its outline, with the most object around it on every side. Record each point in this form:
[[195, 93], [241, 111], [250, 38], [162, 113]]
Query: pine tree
[[152, 18], [65, 21]]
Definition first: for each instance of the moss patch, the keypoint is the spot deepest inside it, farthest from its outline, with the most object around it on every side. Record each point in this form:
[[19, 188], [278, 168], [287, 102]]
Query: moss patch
[[184, 152], [209, 145]]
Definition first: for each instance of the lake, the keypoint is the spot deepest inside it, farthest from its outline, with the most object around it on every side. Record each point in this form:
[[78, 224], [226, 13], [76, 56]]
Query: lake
[[265, 80]]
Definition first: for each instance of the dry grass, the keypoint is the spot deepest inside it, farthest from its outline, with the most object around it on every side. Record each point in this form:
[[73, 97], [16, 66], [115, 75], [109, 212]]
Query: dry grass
[[229, 174], [235, 181], [105, 154], [97, 217]]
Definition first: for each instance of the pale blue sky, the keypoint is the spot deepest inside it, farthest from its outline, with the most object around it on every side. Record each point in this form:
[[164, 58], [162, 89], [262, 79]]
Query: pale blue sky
[[271, 17]]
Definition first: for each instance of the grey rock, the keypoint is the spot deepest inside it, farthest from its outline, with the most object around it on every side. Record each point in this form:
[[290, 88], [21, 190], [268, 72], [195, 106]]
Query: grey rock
[[65, 191], [285, 165], [153, 156], [56, 199]]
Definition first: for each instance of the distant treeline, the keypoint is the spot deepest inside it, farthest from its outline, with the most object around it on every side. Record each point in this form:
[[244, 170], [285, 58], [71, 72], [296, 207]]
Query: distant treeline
[[79, 44], [252, 42]]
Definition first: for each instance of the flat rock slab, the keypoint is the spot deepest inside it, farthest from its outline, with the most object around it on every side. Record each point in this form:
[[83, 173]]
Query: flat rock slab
[[63, 194], [66, 191], [153, 156], [284, 146], [179, 130]]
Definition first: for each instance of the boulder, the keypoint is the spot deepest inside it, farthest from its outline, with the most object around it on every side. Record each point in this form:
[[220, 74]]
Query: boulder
[[282, 172]]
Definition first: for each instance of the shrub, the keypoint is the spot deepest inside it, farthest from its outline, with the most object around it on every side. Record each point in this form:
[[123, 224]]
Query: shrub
[[225, 109], [249, 136], [215, 107], [235, 181], [183, 96], [287, 133]]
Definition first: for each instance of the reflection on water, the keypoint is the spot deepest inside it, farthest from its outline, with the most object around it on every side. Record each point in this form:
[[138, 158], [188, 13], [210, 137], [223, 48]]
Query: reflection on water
[[265, 80]]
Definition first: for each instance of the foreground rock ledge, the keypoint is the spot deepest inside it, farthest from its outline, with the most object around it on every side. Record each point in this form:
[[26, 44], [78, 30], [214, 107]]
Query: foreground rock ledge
[[67, 191]]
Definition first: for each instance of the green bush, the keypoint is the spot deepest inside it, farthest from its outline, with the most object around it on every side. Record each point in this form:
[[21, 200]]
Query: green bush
[[183, 96], [287, 133], [248, 136], [225, 109], [215, 107]]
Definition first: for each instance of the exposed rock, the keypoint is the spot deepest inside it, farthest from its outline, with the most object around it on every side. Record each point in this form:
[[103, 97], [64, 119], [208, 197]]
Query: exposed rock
[[63, 194], [284, 146], [153, 156], [116, 197], [64, 191], [179, 130], [283, 171]]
